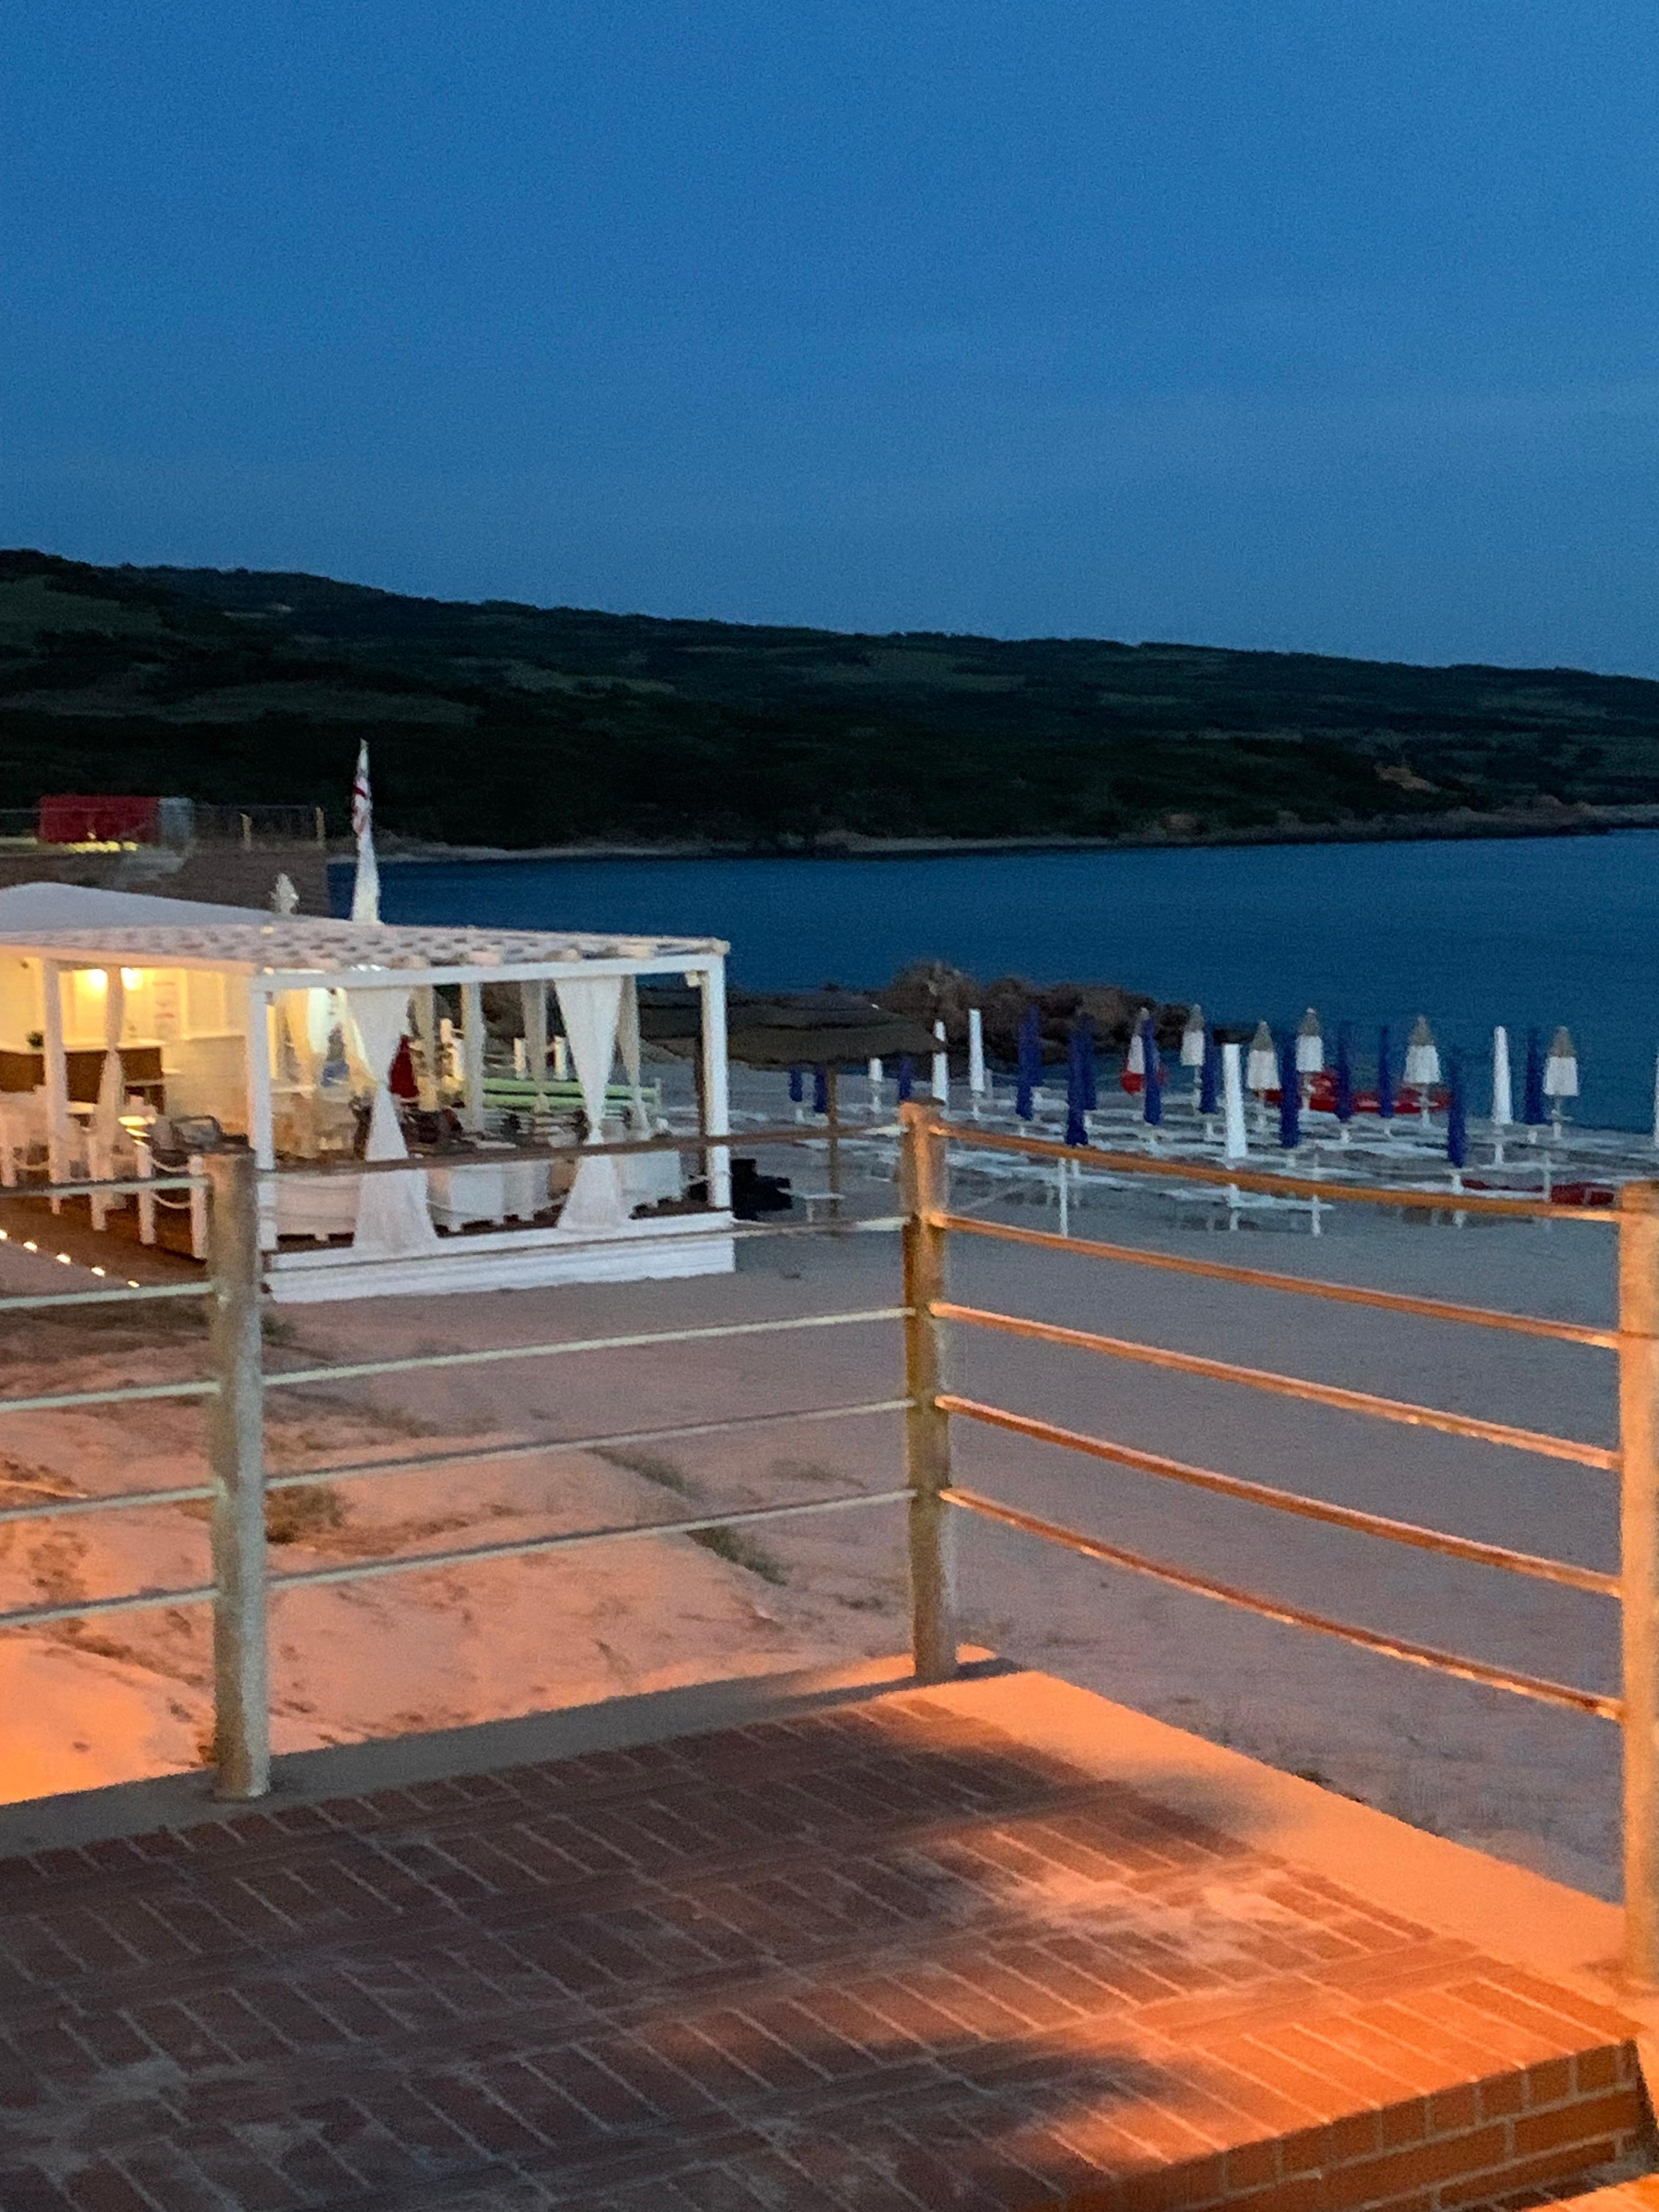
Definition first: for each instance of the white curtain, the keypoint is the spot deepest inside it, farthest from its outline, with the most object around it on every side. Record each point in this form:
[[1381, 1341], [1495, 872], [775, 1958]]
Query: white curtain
[[589, 1009], [112, 1086], [305, 1017], [392, 1220]]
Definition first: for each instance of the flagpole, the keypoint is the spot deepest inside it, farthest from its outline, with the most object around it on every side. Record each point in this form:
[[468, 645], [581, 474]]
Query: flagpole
[[366, 891]]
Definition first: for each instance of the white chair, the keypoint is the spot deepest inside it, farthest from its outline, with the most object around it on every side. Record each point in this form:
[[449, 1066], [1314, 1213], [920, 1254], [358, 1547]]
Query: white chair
[[22, 1135]]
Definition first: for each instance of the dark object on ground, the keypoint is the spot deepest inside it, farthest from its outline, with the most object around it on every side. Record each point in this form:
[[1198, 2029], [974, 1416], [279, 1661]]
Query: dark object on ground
[[754, 1193]]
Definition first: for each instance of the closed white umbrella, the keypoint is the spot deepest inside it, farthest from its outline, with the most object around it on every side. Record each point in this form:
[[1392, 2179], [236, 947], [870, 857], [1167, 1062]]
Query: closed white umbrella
[[1309, 1046], [1261, 1070], [874, 1072], [941, 1067], [1135, 1064], [1503, 1101], [1422, 1058], [1422, 1063], [1560, 1072], [975, 1052], [1235, 1145], [1561, 1069], [1192, 1039], [366, 889]]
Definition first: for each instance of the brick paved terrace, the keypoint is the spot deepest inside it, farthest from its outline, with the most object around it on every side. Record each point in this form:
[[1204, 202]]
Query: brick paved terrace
[[994, 1945]]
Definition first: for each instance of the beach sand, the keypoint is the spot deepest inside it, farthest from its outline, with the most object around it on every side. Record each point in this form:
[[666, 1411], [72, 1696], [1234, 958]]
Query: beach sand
[[129, 1694]]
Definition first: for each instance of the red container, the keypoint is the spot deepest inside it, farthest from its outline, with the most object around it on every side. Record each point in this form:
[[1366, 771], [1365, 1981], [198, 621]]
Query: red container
[[72, 818]]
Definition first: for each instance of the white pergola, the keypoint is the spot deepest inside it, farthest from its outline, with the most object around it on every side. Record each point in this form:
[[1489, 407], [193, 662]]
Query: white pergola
[[384, 977]]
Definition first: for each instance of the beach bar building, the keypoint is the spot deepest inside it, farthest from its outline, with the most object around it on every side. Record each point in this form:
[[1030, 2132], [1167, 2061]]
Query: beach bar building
[[283, 1031]]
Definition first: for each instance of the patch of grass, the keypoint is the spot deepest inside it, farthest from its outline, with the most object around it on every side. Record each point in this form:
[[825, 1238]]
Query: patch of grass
[[741, 1551], [293, 1516], [653, 1465]]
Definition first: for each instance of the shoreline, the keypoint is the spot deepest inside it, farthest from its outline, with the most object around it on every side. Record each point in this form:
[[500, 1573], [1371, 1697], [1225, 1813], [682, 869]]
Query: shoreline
[[1459, 825]]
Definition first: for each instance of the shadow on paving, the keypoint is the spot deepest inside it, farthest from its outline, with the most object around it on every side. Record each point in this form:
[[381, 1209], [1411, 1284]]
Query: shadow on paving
[[879, 1955]]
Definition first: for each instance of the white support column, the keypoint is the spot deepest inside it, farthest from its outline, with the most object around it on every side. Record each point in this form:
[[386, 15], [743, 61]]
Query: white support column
[[716, 1094], [57, 1075], [472, 1056], [534, 994], [259, 1111]]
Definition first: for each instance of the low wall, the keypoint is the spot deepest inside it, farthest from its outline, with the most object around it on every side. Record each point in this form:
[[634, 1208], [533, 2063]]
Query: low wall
[[223, 875]]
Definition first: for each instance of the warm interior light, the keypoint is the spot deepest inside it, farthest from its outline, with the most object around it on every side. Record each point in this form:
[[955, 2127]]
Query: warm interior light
[[95, 980], [132, 977]]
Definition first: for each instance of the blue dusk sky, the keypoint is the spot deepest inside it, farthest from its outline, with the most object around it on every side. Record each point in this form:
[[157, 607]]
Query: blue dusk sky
[[1319, 323]]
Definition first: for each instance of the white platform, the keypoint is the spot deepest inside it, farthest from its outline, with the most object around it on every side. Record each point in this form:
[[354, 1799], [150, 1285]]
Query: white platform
[[511, 1259]]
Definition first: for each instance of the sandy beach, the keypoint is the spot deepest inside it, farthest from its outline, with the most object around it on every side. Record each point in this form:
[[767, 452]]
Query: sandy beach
[[111, 1698]]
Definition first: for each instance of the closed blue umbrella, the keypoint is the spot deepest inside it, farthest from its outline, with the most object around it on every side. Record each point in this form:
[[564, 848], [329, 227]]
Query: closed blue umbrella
[[1289, 1096], [1083, 1033], [820, 1091], [1077, 1089], [1031, 1063], [797, 1085], [1534, 1110], [907, 1076], [1384, 1077], [1152, 1097], [1457, 1112], [1344, 1075], [1209, 1078]]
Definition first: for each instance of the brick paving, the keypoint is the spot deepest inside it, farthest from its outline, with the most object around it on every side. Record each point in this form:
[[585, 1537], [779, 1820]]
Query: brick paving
[[879, 1956]]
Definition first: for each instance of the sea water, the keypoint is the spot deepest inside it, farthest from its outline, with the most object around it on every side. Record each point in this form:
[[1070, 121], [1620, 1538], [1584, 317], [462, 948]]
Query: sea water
[[1529, 932]]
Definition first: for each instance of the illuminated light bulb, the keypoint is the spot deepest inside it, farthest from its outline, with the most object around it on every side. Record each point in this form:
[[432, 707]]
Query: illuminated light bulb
[[97, 1270], [132, 977], [132, 1282], [29, 1244], [95, 979], [64, 1260]]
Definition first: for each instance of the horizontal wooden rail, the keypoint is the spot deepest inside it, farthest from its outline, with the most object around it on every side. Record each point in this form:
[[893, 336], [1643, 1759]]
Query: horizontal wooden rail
[[1286, 1501], [413, 1562], [133, 1295], [125, 1394], [352, 1370], [1285, 1386], [61, 1505], [520, 1547], [1164, 1168], [1291, 1616], [460, 1156], [1136, 1255]]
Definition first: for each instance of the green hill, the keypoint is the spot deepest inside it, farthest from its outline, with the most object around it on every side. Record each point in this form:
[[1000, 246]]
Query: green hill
[[516, 726]]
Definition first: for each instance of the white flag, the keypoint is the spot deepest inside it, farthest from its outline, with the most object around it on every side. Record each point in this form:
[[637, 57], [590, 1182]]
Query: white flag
[[365, 891]]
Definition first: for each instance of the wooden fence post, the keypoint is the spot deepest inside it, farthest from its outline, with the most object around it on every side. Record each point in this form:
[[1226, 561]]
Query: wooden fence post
[[1638, 1429], [926, 1429], [241, 1688]]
